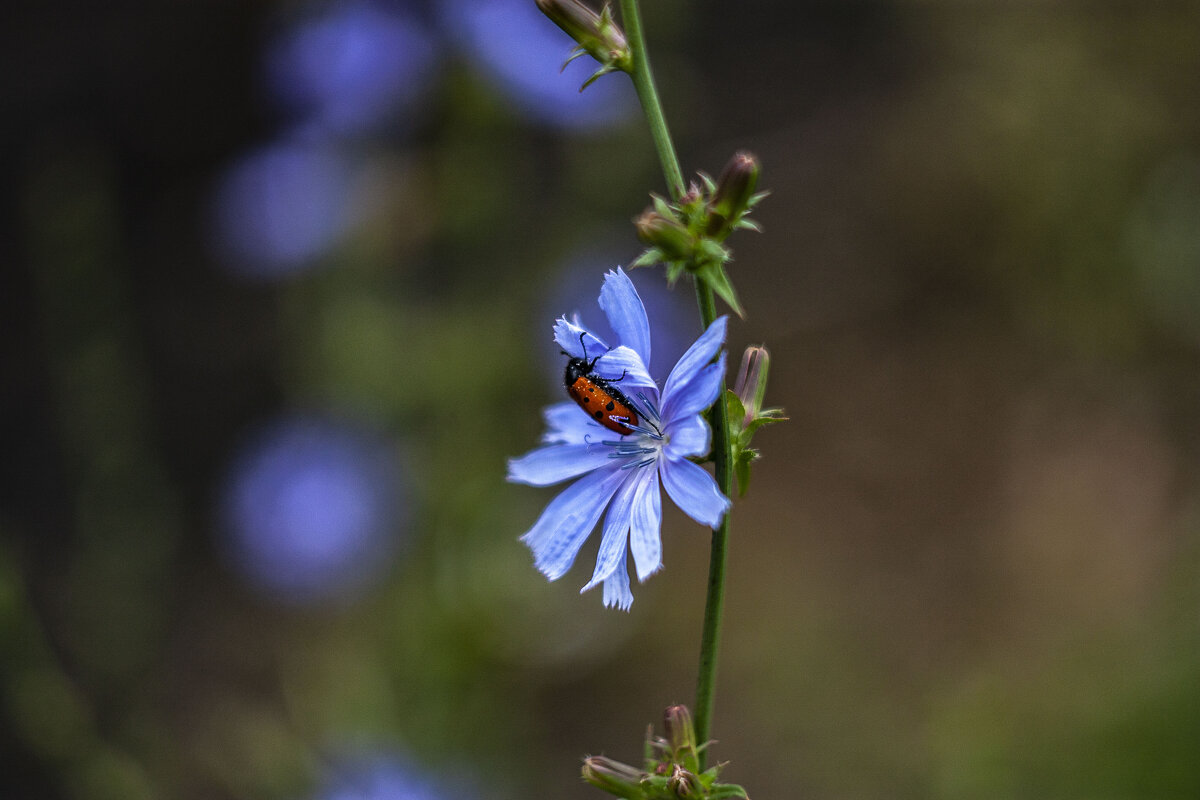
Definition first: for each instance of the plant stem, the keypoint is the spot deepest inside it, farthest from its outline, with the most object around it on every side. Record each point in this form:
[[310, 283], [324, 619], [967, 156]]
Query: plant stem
[[643, 81], [714, 604], [710, 640]]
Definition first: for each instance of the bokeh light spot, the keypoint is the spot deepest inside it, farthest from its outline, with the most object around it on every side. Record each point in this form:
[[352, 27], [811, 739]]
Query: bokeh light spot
[[388, 777], [279, 209], [312, 510], [353, 69]]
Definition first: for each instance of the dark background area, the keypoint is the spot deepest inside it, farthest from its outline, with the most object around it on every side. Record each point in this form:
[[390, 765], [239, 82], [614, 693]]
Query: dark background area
[[276, 287]]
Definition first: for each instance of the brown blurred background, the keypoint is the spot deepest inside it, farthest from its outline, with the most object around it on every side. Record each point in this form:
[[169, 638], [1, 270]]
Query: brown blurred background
[[276, 287]]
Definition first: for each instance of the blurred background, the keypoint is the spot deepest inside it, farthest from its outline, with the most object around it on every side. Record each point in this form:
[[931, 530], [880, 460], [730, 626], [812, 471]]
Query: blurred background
[[276, 288]]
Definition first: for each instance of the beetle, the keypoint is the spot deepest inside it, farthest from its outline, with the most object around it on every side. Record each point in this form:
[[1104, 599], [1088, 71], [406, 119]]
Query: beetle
[[603, 401]]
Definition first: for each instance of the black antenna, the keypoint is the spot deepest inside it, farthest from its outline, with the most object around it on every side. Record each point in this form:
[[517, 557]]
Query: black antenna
[[592, 365]]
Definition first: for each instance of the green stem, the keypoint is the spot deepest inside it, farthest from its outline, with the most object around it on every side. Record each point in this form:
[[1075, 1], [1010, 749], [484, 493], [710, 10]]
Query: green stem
[[643, 81], [714, 604], [710, 640]]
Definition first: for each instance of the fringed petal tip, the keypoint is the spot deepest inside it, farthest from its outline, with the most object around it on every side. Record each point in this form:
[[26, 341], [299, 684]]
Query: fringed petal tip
[[576, 340], [618, 597], [616, 589], [649, 573]]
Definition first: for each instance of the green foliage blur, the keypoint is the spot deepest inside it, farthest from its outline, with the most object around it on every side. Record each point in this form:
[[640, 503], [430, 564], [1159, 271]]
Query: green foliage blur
[[969, 565]]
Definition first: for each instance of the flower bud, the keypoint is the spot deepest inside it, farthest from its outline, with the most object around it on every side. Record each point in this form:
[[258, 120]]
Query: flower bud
[[613, 777], [684, 784], [751, 383], [681, 734], [668, 235], [735, 189], [597, 34]]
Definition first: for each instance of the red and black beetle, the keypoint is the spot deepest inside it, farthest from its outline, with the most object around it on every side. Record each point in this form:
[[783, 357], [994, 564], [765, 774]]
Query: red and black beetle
[[605, 403]]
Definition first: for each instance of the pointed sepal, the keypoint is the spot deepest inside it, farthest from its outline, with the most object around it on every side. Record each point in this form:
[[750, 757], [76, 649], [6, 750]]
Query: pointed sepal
[[604, 70], [674, 271], [648, 258], [713, 274]]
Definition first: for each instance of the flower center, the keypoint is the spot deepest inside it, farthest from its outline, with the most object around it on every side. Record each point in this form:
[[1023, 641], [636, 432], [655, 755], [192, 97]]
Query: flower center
[[644, 446]]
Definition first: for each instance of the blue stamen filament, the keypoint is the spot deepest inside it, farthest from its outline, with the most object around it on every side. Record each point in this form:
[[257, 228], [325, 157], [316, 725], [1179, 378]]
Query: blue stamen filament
[[642, 441], [649, 404]]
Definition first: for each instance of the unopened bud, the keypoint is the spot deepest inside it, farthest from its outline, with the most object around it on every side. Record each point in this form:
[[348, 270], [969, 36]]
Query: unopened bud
[[681, 734], [735, 188], [751, 383], [613, 777], [598, 34], [668, 235], [684, 784]]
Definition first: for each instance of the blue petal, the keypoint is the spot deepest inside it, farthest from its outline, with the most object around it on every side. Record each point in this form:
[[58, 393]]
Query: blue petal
[[616, 530], [693, 490], [645, 533], [567, 333], [558, 534], [626, 314], [624, 366], [687, 436], [568, 424], [554, 464], [697, 394], [697, 356], [616, 587]]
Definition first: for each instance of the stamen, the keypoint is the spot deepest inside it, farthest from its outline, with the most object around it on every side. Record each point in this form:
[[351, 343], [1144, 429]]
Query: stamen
[[650, 405], [634, 451], [638, 464], [653, 433], [652, 418]]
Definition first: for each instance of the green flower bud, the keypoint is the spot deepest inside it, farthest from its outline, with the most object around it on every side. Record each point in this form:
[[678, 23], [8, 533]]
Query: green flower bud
[[597, 34], [613, 777], [751, 383], [681, 734], [734, 192], [667, 234]]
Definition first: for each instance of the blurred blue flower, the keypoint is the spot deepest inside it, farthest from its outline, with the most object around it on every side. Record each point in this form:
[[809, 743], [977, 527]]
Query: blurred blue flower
[[282, 207], [621, 473], [311, 509], [521, 50], [381, 777], [354, 67]]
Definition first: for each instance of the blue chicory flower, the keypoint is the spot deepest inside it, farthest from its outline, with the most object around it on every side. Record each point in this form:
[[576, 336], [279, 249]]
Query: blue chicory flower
[[621, 473]]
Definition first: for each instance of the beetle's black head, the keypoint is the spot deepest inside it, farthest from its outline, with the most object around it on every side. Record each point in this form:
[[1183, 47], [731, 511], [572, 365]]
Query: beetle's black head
[[576, 368]]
